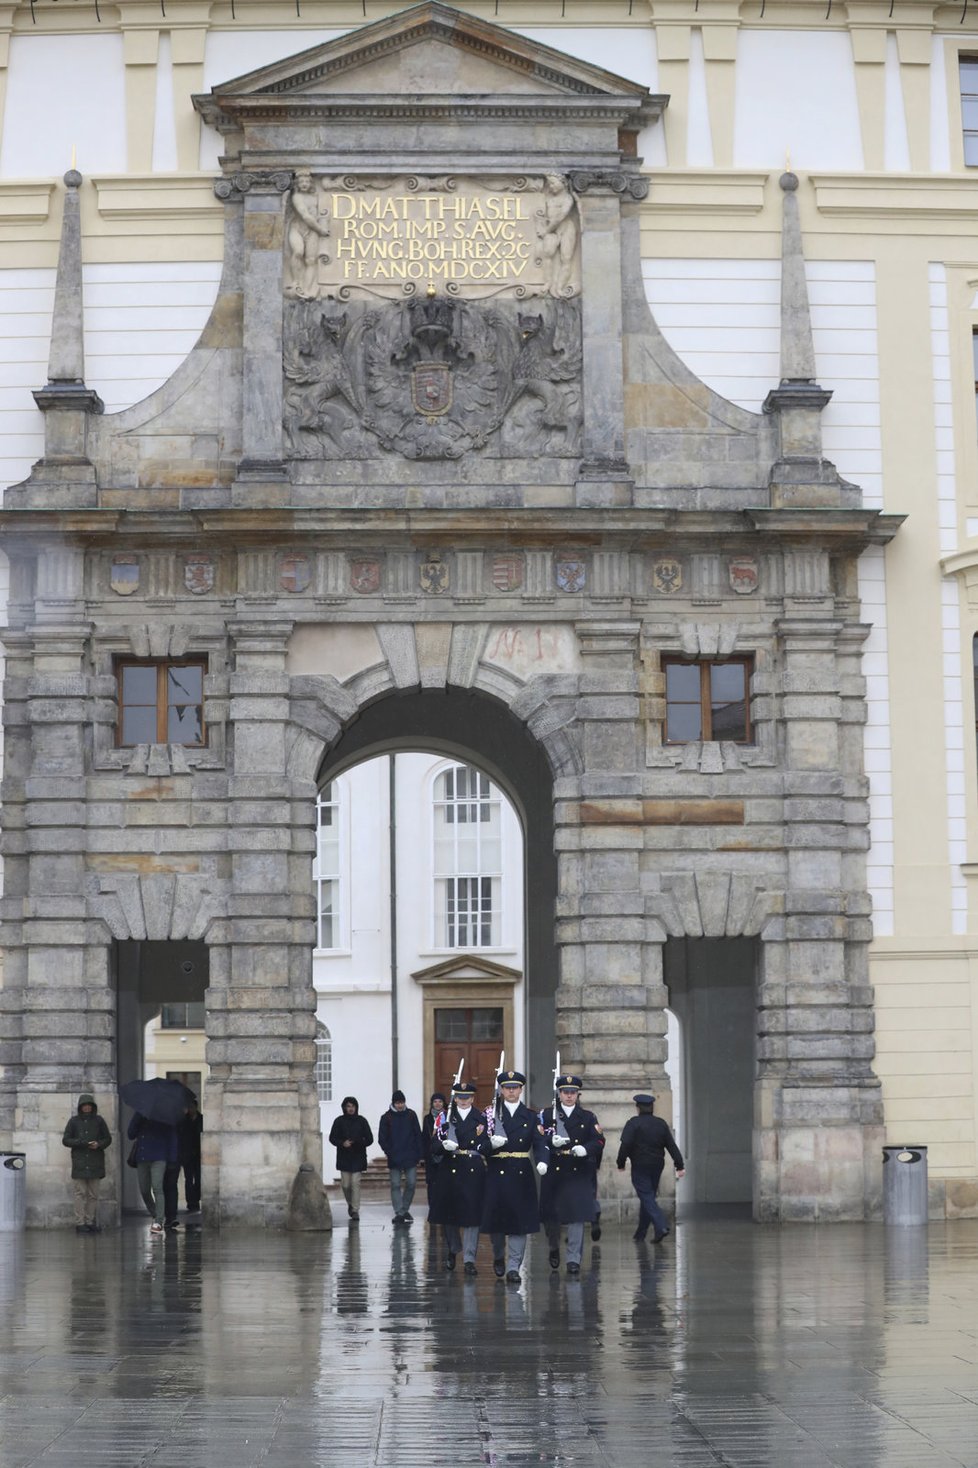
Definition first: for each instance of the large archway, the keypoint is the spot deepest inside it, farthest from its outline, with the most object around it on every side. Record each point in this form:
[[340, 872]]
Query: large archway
[[476, 729]]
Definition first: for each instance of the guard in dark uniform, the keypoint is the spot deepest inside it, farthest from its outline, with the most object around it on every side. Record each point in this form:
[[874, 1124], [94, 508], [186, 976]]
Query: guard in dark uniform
[[461, 1138], [568, 1193], [645, 1140], [511, 1209]]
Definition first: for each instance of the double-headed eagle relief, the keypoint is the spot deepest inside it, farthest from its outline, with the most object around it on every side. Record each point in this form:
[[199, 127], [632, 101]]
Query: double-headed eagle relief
[[432, 317]]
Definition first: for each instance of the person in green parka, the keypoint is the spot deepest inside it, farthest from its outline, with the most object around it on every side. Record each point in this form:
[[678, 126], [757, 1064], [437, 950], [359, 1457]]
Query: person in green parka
[[88, 1136]]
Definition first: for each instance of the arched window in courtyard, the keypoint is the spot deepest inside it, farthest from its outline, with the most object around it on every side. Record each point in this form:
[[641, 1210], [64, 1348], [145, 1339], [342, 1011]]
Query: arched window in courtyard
[[324, 1063]]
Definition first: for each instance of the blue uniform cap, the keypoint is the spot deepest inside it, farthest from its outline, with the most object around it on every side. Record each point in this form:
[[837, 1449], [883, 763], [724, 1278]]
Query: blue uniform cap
[[642, 1099], [569, 1083], [510, 1078], [463, 1088]]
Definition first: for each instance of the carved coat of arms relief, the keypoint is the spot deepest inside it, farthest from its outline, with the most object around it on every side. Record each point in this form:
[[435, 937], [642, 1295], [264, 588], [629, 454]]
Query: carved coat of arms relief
[[432, 318]]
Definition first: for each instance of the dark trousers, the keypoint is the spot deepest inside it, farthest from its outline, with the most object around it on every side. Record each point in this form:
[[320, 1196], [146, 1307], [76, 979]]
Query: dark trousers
[[170, 1200], [645, 1181], [191, 1184]]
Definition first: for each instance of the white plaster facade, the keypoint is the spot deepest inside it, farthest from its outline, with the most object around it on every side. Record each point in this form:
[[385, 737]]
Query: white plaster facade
[[354, 979]]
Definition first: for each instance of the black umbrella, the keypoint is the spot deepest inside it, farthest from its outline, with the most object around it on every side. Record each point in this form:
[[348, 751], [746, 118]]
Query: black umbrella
[[158, 1100]]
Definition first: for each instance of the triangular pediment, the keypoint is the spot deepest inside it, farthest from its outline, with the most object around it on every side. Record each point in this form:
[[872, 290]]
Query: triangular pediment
[[465, 968], [427, 50]]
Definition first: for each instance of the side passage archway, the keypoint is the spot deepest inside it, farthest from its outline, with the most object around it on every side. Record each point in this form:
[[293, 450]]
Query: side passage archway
[[478, 731]]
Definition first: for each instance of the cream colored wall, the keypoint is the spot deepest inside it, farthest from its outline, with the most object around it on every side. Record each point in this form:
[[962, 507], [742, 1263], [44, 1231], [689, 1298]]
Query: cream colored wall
[[867, 104]]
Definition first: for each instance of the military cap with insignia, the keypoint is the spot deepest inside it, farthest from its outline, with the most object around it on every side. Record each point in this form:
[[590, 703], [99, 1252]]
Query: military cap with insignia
[[643, 1099], [463, 1088], [510, 1078], [569, 1083]]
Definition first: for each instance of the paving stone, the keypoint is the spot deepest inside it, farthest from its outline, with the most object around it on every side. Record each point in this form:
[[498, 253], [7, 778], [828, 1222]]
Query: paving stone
[[733, 1345]]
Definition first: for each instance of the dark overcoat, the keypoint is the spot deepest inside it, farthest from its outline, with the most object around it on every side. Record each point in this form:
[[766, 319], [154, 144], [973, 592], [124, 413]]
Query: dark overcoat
[[511, 1205], [568, 1191], [460, 1191]]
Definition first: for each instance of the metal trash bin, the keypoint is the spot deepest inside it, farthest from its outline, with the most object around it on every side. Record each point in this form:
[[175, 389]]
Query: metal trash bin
[[905, 1185], [13, 1191]]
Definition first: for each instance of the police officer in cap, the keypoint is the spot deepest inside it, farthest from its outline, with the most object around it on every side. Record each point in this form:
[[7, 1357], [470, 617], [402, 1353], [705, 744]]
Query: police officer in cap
[[462, 1139], [645, 1140], [568, 1193], [511, 1210]]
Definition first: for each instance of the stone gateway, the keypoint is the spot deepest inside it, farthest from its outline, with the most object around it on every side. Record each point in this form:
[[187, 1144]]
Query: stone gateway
[[431, 402]]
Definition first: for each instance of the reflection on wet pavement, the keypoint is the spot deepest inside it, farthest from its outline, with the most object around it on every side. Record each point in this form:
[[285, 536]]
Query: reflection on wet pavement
[[835, 1347]]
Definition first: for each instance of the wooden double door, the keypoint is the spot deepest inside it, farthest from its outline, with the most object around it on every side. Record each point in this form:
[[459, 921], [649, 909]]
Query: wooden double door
[[475, 1034]]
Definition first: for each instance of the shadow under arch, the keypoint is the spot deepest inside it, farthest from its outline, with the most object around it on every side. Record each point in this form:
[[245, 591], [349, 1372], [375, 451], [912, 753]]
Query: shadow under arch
[[476, 729]]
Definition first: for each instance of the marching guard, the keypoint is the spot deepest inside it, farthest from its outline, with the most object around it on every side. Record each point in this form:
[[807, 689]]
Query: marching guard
[[568, 1195], [461, 1138], [511, 1210]]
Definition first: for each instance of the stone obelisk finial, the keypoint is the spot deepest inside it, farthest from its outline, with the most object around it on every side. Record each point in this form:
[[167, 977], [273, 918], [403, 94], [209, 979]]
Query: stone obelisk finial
[[799, 475], [65, 401], [66, 362]]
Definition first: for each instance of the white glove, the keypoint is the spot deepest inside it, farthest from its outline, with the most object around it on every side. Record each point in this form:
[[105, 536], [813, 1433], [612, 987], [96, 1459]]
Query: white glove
[[578, 1151], [449, 1145], [498, 1142], [542, 1169], [556, 1141]]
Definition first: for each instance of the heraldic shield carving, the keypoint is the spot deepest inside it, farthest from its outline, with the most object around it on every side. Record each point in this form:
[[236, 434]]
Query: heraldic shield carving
[[432, 378]]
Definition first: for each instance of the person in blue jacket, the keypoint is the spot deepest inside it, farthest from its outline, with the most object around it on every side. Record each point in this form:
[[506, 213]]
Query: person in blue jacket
[[157, 1149], [399, 1135]]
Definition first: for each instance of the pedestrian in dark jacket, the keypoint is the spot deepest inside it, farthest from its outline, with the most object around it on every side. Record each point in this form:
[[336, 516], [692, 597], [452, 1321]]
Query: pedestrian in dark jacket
[[645, 1140], [189, 1133], [399, 1135], [157, 1153], [88, 1136], [350, 1134]]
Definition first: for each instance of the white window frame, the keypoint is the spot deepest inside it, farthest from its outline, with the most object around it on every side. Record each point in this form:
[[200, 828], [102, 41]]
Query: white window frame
[[495, 877], [324, 1063], [340, 803]]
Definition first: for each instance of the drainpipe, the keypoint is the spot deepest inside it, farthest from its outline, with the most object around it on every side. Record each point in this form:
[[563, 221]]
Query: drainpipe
[[392, 856]]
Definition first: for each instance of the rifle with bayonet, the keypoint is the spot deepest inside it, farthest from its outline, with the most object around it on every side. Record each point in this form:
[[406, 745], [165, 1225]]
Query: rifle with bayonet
[[560, 1126], [498, 1108]]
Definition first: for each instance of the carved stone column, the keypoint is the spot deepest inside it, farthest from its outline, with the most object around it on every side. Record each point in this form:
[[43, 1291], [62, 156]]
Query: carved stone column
[[263, 197], [611, 999], [818, 1119], [604, 474], [261, 1002]]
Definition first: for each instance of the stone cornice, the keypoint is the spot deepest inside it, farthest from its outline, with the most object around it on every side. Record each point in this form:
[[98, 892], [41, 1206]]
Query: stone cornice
[[897, 195], [639, 527]]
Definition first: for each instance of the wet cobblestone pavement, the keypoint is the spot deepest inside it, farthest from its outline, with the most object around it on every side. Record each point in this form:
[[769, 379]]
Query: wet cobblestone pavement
[[732, 1344]]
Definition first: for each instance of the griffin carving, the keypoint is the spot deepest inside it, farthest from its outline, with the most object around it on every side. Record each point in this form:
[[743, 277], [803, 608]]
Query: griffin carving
[[432, 377]]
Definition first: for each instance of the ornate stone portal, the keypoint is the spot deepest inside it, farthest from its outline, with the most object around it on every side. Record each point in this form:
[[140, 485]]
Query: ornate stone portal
[[432, 433]]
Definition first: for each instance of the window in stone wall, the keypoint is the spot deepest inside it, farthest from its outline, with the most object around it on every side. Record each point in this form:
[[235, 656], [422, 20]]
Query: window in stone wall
[[707, 700], [468, 859], [968, 74], [324, 1062], [161, 702], [182, 1016]]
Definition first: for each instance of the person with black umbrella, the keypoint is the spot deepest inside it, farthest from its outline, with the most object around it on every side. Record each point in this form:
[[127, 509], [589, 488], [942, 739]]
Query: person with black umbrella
[[159, 1107]]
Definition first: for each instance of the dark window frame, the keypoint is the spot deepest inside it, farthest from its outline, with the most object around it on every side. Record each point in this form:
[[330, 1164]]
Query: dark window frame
[[163, 667], [706, 736]]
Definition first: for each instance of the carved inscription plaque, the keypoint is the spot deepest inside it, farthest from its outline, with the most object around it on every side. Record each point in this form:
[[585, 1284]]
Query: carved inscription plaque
[[358, 236]]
